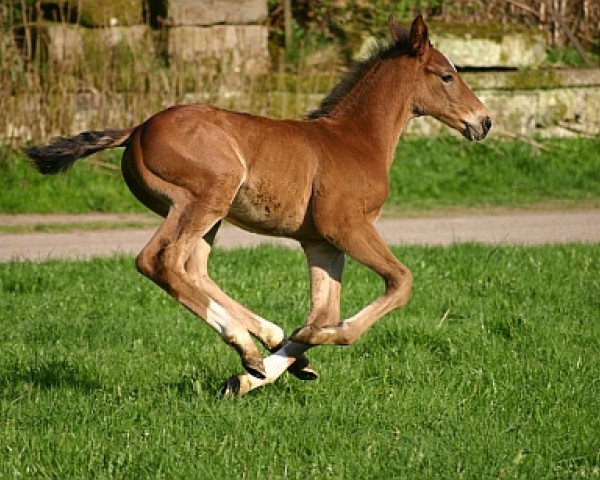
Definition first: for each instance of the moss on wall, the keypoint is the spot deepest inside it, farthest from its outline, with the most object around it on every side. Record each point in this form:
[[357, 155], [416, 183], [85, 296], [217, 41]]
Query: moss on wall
[[487, 31], [97, 13]]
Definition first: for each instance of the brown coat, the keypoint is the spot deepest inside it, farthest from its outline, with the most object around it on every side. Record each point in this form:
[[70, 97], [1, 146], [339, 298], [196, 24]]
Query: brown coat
[[322, 181]]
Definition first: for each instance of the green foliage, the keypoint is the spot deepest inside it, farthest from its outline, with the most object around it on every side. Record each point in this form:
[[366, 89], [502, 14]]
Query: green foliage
[[561, 56], [490, 371], [18, 11], [316, 23]]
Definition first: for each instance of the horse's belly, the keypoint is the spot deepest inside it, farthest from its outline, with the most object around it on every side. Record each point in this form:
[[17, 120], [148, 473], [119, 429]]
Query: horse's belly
[[262, 211]]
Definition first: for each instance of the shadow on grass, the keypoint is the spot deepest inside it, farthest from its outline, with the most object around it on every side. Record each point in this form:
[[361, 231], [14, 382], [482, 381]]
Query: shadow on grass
[[198, 382], [48, 375]]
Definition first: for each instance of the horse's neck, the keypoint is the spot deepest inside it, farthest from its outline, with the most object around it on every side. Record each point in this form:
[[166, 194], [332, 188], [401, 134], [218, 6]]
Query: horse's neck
[[378, 108]]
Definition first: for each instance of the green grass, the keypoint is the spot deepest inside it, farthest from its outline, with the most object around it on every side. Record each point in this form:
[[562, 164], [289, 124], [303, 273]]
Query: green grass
[[491, 371], [87, 187], [428, 174], [449, 173]]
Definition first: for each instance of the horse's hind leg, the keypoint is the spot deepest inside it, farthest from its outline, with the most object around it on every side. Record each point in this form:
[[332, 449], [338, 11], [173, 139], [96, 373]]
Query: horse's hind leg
[[270, 335], [152, 202], [164, 261]]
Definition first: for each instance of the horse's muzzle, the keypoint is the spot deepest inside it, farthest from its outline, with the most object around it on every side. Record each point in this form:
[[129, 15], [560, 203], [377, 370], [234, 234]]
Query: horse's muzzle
[[477, 132]]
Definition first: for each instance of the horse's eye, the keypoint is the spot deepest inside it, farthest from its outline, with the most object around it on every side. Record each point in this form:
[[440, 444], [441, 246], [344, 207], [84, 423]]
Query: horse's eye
[[447, 78]]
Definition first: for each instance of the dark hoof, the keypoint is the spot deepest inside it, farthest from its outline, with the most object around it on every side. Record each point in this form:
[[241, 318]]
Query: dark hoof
[[256, 368], [231, 388], [302, 370], [306, 373]]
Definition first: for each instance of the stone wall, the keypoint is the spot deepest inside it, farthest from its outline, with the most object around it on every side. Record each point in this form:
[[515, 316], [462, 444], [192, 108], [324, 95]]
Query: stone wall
[[230, 32], [235, 48], [66, 44], [224, 31], [490, 45], [214, 12], [524, 98]]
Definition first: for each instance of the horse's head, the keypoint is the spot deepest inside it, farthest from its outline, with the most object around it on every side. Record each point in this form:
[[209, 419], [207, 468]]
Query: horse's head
[[439, 89]]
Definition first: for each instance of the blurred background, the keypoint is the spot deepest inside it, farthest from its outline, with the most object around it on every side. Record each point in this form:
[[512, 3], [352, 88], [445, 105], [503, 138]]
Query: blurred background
[[67, 66]]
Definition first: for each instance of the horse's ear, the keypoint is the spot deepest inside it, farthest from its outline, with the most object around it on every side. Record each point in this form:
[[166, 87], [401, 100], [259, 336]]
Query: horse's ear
[[419, 37], [399, 33]]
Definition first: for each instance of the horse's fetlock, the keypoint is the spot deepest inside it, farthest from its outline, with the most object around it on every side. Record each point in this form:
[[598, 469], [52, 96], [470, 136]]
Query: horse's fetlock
[[273, 339]]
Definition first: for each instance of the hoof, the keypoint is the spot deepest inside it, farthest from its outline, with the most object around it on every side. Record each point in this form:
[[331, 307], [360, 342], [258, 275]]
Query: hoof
[[236, 386], [255, 367], [302, 370], [231, 388]]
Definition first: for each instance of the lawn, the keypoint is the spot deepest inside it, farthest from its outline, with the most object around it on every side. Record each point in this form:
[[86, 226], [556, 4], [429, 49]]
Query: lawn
[[428, 174], [491, 371]]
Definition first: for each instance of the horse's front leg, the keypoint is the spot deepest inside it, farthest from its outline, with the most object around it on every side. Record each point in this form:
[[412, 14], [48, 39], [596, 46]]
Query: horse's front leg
[[363, 243], [326, 264]]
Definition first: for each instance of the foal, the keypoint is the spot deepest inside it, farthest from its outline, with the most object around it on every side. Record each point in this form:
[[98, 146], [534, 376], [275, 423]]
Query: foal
[[321, 181]]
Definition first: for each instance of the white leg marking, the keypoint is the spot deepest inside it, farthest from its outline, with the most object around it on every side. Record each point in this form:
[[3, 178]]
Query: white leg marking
[[275, 365], [217, 317], [220, 319]]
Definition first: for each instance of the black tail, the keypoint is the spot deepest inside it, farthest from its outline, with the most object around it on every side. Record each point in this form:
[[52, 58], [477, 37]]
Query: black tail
[[63, 151]]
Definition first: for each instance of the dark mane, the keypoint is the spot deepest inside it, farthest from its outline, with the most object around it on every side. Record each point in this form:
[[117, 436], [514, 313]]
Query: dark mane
[[356, 72]]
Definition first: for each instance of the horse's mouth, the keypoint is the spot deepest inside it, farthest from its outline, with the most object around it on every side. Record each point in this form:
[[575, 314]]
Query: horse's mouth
[[471, 133], [479, 132]]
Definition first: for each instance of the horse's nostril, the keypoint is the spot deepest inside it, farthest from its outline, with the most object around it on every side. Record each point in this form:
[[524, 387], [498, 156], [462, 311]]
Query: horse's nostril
[[487, 124]]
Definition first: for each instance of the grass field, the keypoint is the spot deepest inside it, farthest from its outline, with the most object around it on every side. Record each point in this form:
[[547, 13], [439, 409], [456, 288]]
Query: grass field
[[490, 372], [441, 173]]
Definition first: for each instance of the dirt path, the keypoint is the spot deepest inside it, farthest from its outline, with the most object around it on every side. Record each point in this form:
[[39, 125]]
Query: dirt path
[[517, 228]]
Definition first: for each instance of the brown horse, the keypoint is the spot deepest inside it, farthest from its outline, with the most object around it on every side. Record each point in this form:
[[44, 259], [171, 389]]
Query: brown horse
[[321, 180]]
